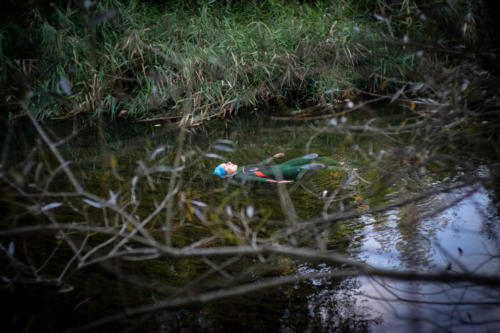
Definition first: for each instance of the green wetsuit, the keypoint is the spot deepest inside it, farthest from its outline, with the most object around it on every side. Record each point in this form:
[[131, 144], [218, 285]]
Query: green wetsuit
[[288, 170]]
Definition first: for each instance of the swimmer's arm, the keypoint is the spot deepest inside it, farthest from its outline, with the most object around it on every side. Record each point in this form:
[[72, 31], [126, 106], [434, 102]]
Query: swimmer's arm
[[270, 159], [284, 181]]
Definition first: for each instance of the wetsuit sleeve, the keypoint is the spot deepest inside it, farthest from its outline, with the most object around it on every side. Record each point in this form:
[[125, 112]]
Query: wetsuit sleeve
[[259, 179]]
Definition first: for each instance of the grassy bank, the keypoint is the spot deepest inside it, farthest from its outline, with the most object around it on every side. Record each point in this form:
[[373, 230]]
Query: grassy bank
[[197, 61]]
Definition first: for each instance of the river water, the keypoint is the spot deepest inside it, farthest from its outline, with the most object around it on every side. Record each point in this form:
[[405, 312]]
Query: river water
[[450, 231]]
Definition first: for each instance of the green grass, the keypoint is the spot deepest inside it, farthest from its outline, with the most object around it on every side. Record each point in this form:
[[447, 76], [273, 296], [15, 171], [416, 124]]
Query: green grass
[[202, 61]]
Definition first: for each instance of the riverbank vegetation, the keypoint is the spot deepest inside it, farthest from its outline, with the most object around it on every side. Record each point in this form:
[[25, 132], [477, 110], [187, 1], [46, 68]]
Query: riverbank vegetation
[[198, 61], [193, 61]]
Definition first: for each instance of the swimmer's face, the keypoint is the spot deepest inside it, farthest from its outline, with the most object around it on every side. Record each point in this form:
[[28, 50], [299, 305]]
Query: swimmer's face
[[230, 167]]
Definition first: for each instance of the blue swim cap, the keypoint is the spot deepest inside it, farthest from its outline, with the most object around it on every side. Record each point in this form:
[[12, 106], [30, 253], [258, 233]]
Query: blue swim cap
[[219, 171]]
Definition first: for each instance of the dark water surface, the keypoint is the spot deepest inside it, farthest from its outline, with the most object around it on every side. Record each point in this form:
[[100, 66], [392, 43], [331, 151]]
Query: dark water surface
[[463, 237]]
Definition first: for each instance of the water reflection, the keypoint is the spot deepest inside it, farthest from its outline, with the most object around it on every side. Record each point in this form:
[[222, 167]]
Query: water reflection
[[453, 240], [315, 306]]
